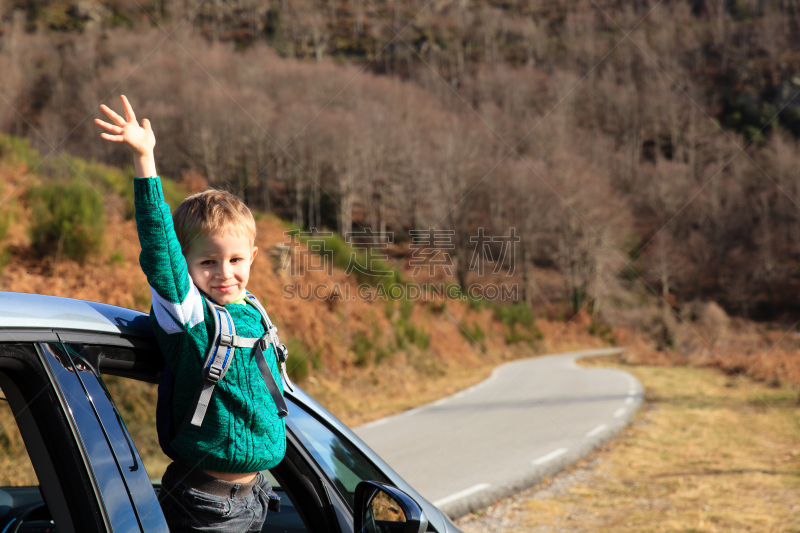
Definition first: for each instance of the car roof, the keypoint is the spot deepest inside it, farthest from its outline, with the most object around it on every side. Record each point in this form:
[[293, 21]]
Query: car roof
[[37, 311]]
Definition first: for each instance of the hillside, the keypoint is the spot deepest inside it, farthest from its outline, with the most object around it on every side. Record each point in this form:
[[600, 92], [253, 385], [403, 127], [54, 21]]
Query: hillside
[[645, 146], [363, 358]]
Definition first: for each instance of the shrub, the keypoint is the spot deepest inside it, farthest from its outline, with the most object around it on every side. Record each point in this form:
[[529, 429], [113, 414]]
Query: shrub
[[474, 335], [373, 272], [406, 332], [511, 315], [301, 359], [361, 346], [518, 315], [67, 220], [18, 150], [603, 331], [367, 347], [388, 309], [6, 217], [437, 306], [475, 303], [406, 308], [116, 258]]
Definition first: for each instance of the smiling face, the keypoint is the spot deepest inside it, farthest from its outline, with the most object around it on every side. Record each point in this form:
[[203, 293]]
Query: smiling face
[[219, 265]]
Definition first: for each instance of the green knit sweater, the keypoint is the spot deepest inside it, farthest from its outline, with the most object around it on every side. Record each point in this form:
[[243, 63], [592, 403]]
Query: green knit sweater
[[241, 431]]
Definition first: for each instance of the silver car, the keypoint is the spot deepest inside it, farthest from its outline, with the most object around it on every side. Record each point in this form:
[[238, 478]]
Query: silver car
[[54, 353]]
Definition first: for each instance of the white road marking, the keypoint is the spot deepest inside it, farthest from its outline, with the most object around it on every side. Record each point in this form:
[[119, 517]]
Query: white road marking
[[374, 423], [619, 412], [597, 430], [629, 400], [462, 494], [550, 456]]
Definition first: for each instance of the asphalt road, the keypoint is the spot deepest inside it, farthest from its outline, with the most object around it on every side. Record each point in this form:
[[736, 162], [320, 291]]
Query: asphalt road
[[530, 419]]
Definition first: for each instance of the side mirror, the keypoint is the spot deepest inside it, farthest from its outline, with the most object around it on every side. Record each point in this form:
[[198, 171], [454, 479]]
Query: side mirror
[[383, 508]]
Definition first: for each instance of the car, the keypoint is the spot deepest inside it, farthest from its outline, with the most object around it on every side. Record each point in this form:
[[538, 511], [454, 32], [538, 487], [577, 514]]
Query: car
[[56, 355]]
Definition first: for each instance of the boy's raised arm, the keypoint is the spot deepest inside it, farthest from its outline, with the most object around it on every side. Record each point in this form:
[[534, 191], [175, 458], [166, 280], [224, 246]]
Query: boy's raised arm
[[177, 303]]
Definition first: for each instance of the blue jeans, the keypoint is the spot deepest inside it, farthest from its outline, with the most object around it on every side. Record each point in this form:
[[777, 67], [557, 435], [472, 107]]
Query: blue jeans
[[187, 508]]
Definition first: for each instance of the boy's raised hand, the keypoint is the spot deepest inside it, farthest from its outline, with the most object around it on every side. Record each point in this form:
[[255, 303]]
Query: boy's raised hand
[[139, 139]]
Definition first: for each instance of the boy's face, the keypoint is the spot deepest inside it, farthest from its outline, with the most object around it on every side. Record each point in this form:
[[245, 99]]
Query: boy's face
[[219, 265]]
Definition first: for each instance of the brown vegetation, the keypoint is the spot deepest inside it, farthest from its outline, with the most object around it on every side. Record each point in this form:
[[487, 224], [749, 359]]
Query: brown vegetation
[[659, 159]]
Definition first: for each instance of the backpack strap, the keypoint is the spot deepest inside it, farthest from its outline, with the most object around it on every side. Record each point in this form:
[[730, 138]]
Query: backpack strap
[[281, 352], [220, 355]]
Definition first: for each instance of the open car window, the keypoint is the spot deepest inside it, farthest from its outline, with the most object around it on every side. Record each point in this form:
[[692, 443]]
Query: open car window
[[20, 497], [16, 469]]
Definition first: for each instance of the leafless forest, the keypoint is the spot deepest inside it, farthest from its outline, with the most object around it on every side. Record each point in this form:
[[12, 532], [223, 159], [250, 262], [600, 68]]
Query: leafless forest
[[649, 143]]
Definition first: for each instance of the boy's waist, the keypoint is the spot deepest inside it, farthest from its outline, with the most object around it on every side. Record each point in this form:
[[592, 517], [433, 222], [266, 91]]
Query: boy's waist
[[180, 472]]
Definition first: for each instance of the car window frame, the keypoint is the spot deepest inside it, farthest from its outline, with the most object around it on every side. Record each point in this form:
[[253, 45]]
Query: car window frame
[[48, 438], [295, 402]]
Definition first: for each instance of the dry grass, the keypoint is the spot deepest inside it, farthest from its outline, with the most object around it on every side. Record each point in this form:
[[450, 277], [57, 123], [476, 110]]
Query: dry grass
[[707, 452]]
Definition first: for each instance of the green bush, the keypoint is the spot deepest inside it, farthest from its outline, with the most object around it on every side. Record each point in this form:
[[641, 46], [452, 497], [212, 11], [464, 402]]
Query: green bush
[[388, 309], [405, 333], [67, 219], [367, 347], [18, 150], [116, 258], [361, 346], [379, 272], [406, 308], [5, 220], [474, 335], [516, 313], [475, 303], [66, 168], [301, 359], [515, 317], [603, 331]]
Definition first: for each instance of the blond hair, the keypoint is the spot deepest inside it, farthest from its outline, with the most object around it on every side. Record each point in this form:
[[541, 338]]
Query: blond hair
[[212, 212]]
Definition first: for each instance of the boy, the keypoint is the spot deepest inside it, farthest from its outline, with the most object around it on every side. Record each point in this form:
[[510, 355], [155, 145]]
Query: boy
[[208, 246]]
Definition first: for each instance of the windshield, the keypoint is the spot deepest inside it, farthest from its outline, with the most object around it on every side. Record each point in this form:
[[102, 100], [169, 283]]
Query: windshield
[[342, 462]]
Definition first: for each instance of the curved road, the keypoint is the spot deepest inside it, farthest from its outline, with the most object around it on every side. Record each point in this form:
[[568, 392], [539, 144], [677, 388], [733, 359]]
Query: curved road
[[530, 419]]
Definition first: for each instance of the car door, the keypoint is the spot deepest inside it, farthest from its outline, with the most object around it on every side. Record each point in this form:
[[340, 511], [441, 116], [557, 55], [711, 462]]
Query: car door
[[90, 475], [128, 373], [316, 480]]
